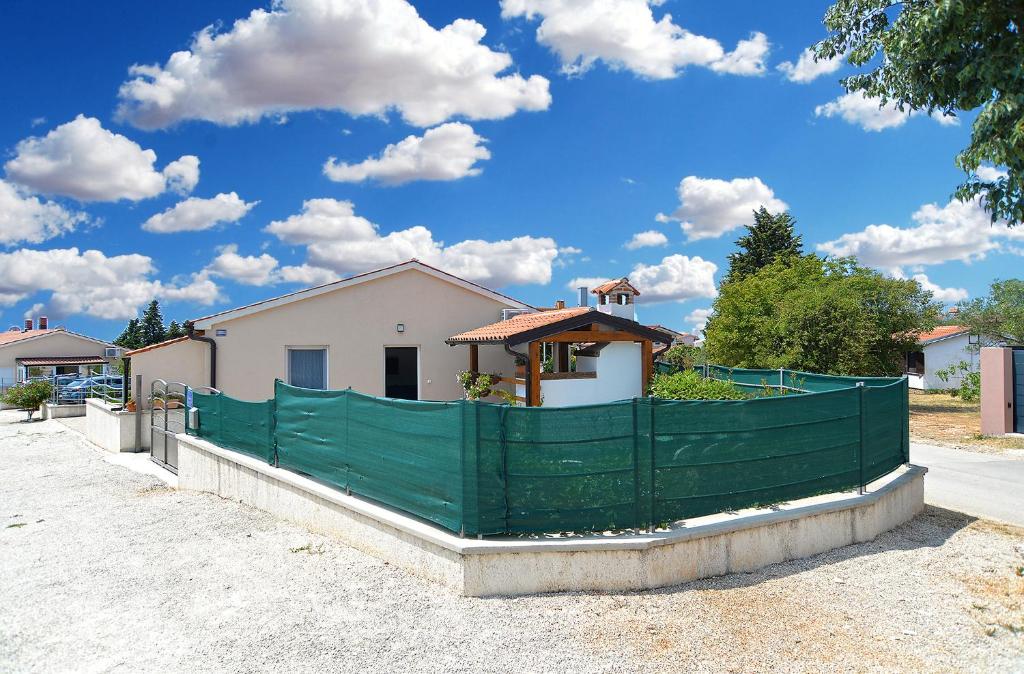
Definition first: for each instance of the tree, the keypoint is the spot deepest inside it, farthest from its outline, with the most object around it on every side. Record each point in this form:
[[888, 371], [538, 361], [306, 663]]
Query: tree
[[131, 337], [175, 330], [153, 331], [770, 238], [999, 315], [941, 56], [28, 395], [817, 315]]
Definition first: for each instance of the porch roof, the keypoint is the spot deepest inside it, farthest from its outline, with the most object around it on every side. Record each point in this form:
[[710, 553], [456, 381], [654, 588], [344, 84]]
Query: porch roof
[[534, 326], [37, 361]]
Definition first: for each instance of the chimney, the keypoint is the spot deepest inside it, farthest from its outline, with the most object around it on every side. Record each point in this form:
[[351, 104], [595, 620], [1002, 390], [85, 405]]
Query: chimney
[[584, 297], [28, 324], [559, 304], [42, 323]]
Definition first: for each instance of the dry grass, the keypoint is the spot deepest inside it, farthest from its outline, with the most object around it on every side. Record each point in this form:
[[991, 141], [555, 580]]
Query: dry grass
[[942, 419]]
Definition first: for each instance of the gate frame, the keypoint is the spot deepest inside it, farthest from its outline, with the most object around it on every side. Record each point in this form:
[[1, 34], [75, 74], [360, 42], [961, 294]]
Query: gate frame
[[169, 436]]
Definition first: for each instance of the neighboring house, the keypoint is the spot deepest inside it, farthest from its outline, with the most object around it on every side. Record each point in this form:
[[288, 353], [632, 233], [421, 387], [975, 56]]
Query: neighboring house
[[43, 351], [381, 333], [937, 350], [677, 338]]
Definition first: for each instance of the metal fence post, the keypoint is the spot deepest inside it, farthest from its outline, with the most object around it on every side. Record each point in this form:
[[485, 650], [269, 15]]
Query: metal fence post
[[138, 412], [636, 474], [654, 518], [782, 380], [861, 390]]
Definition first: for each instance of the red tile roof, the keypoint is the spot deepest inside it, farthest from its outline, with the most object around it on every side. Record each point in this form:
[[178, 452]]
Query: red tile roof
[[611, 285], [502, 330], [18, 335], [62, 360], [167, 342], [941, 332]]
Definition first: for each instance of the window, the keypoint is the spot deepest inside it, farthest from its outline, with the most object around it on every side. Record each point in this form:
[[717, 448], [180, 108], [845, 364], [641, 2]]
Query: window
[[307, 367], [915, 362]]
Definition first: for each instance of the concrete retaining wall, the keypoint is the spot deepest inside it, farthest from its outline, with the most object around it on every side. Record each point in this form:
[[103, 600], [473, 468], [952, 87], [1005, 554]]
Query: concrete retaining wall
[[50, 411], [113, 430], [699, 548]]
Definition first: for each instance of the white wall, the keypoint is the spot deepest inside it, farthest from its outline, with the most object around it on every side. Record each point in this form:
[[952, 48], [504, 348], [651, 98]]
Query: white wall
[[940, 355], [618, 378]]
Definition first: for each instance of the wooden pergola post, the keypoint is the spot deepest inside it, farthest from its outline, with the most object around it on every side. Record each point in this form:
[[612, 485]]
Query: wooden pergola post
[[474, 358], [647, 364], [533, 375]]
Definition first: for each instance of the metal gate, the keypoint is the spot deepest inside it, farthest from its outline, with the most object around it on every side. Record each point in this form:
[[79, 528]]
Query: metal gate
[[167, 419], [1018, 390]]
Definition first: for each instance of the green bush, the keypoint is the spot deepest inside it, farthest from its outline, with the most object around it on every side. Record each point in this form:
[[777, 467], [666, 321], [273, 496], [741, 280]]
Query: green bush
[[970, 381], [692, 386], [28, 395]]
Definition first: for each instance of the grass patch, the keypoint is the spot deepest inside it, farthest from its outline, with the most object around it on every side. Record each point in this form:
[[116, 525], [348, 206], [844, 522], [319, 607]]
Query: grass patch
[[17, 525], [309, 549], [946, 420]]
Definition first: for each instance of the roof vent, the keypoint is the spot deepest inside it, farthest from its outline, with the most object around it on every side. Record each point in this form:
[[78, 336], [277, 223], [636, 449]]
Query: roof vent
[[28, 324], [584, 296], [14, 328], [43, 323]]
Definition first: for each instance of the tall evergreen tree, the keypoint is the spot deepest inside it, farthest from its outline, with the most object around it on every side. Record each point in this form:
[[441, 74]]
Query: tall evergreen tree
[[131, 337], [175, 330], [153, 330], [770, 238]]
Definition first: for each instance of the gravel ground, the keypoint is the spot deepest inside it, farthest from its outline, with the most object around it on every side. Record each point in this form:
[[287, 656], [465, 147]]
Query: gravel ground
[[108, 570]]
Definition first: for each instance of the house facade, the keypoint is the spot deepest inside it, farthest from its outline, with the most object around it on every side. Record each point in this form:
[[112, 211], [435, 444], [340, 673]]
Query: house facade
[[938, 349], [381, 333], [41, 351]]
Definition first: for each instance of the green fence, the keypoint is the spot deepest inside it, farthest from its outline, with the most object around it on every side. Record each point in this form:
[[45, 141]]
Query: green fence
[[479, 468]]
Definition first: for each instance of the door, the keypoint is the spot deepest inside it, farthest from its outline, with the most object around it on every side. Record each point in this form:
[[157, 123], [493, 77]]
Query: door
[[1018, 390], [167, 419], [402, 372]]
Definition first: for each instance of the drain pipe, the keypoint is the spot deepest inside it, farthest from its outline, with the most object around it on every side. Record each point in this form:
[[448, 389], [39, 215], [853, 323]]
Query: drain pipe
[[213, 351], [524, 357]]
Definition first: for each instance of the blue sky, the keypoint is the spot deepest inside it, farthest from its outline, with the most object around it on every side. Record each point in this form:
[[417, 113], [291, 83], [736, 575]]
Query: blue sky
[[537, 151]]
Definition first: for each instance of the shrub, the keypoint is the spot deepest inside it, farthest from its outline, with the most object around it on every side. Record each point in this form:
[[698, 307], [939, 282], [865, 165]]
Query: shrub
[[970, 381], [683, 356], [691, 386], [28, 395]]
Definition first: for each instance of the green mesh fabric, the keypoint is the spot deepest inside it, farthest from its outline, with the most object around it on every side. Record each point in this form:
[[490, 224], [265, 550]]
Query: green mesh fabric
[[247, 427], [479, 468]]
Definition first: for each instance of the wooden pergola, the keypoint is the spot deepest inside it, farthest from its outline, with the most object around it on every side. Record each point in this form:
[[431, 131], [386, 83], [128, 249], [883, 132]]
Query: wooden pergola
[[586, 327]]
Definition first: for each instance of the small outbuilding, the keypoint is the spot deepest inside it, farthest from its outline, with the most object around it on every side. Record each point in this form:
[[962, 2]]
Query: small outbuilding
[[938, 349]]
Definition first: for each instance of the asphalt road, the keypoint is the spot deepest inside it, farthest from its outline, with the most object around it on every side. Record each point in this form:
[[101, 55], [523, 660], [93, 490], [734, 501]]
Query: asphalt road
[[983, 485]]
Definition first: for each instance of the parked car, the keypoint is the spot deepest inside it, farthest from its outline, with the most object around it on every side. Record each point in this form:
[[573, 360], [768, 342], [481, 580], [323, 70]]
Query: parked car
[[98, 385]]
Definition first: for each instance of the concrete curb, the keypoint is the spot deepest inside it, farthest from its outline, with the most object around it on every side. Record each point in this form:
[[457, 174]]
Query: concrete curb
[[698, 548]]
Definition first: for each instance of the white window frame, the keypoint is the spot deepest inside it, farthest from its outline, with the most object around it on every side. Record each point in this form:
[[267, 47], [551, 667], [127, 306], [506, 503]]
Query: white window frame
[[384, 368], [308, 347]]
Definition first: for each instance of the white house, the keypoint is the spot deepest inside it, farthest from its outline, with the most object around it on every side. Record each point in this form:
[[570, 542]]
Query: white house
[[43, 351], [937, 350]]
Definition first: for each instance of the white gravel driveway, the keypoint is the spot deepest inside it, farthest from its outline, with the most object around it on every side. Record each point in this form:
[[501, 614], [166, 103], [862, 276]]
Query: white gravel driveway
[[104, 569]]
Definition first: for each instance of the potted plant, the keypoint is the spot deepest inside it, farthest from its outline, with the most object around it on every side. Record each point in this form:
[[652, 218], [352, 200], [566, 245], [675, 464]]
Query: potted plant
[[28, 396]]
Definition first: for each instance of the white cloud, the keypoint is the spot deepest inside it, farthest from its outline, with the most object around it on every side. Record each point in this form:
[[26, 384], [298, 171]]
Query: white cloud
[[446, 152], [709, 208], [990, 173], [82, 160], [625, 35], [675, 279], [345, 243], [25, 218], [806, 69], [747, 58], [195, 214], [308, 275], [945, 295], [247, 269], [957, 231], [90, 282], [364, 57], [870, 115], [651, 237], [698, 320], [323, 220]]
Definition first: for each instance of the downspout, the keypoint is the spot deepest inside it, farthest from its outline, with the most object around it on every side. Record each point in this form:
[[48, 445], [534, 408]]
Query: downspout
[[213, 351], [526, 358]]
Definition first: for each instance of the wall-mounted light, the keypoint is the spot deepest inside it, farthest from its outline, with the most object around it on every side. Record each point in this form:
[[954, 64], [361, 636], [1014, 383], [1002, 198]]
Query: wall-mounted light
[[400, 327]]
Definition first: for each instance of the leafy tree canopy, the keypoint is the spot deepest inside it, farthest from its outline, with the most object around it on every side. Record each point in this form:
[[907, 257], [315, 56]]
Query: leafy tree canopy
[[942, 56], [1000, 314], [131, 337], [828, 316], [175, 330], [770, 238]]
